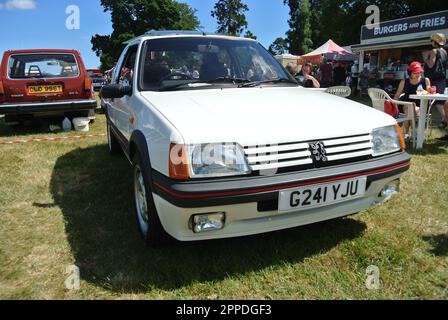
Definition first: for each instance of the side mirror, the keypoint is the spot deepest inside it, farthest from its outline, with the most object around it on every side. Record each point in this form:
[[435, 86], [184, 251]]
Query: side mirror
[[113, 91]]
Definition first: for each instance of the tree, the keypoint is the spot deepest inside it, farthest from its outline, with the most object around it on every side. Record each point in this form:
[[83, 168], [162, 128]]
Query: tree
[[292, 34], [304, 27], [278, 47], [231, 17], [312, 16], [250, 35], [131, 18]]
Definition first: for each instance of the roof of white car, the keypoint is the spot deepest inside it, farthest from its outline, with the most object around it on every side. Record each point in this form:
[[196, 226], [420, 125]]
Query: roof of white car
[[182, 34]]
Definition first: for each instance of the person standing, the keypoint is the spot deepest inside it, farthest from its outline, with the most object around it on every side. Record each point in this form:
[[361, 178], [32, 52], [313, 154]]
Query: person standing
[[340, 75], [326, 74], [355, 77], [435, 70]]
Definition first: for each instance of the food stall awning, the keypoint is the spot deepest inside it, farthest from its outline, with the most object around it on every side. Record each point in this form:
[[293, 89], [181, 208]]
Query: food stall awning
[[342, 57], [286, 56], [392, 44], [330, 47]]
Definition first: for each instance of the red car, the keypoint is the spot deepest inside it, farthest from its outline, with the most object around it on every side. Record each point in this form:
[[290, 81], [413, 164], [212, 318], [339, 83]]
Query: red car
[[42, 83]]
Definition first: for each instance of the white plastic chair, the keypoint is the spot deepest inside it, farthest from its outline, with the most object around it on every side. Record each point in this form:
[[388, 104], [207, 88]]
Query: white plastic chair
[[379, 96], [340, 91], [429, 118]]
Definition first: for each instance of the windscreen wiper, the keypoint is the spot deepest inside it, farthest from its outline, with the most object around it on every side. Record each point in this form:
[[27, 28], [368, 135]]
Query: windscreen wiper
[[217, 80], [257, 83]]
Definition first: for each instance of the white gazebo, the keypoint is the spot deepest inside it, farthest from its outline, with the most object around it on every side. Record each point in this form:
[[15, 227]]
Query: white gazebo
[[287, 59]]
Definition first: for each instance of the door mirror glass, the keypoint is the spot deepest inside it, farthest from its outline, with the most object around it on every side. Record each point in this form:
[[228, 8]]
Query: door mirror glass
[[113, 91]]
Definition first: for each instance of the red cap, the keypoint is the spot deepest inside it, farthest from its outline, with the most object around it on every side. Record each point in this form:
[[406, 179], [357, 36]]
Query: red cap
[[415, 67]]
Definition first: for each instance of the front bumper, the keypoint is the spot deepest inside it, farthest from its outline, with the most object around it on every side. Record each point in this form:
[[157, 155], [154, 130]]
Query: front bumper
[[251, 203], [48, 106]]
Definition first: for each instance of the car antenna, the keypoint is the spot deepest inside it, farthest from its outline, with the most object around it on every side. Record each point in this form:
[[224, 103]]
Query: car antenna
[[202, 31]]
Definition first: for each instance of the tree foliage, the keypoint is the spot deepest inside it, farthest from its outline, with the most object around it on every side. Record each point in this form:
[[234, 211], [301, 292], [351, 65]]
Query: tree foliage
[[250, 35], [231, 17], [278, 47], [305, 19], [131, 18], [304, 29]]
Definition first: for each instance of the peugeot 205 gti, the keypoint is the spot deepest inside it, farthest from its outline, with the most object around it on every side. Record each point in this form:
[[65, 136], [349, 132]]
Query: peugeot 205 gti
[[225, 143]]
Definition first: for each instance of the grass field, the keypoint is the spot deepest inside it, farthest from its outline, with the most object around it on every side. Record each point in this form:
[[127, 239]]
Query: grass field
[[69, 202]]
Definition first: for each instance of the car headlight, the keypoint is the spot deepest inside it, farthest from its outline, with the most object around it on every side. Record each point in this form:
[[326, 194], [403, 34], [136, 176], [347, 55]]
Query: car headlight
[[217, 160], [207, 161], [387, 140]]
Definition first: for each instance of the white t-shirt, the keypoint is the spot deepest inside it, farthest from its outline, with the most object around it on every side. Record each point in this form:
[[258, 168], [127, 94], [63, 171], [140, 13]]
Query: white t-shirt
[[355, 71]]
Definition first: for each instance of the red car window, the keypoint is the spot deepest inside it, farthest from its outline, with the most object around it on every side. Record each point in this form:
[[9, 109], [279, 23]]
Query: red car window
[[42, 65]]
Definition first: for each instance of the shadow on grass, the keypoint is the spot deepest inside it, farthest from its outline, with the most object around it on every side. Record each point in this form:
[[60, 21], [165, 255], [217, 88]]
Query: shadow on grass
[[36, 126], [430, 148], [33, 126], [439, 244], [95, 194]]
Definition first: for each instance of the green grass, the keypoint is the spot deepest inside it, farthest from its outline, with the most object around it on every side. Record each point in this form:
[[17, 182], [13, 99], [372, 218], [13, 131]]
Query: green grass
[[69, 202]]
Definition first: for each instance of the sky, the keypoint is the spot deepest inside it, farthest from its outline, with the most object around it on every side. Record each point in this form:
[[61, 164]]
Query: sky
[[41, 24]]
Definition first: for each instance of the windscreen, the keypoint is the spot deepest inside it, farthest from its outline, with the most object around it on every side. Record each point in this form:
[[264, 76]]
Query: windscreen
[[171, 60], [42, 65]]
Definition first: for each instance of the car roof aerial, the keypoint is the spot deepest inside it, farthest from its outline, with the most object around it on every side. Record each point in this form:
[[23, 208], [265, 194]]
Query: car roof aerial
[[168, 33]]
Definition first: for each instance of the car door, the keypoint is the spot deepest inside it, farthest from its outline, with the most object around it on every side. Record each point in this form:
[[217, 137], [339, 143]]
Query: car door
[[111, 109], [126, 78]]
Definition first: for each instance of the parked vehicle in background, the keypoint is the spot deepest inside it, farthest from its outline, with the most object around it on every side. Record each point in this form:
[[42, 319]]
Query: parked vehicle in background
[[45, 83], [225, 143], [92, 72], [98, 81]]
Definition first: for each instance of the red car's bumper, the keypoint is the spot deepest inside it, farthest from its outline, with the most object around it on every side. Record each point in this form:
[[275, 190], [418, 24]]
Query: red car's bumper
[[45, 107]]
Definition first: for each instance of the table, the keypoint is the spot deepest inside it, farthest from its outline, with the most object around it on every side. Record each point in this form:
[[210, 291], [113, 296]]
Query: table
[[425, 99]]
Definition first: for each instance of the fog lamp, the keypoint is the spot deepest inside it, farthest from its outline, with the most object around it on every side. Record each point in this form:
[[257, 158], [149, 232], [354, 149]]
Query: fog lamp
[[208, 222], [391, 189]]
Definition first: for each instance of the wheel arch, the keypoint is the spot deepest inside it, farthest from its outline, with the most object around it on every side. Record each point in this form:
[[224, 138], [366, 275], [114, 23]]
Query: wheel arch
[[138, 144]]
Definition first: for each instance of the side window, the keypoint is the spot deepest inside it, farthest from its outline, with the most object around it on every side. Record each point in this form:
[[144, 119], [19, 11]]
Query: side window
[[116, 73], [127, 69]]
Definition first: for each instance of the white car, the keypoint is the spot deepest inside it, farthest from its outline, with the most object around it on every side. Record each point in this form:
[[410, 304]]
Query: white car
[[224, 143]]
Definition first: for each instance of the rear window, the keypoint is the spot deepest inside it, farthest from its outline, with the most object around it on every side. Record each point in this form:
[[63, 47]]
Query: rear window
[[42, 65]]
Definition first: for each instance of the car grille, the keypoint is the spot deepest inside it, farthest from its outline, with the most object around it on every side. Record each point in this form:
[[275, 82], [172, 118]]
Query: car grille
[[297, 155]]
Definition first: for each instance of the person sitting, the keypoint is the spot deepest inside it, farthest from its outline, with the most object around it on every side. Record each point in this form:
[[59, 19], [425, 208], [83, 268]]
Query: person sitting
[[292, 71], [409, 87], [306, 78]]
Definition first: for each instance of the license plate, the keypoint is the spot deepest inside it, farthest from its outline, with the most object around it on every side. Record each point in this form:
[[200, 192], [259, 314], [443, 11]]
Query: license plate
[[45, 89], [322, 195]]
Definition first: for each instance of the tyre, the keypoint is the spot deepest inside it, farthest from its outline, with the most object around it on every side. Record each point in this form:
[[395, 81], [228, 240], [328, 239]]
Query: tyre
[[145, 210], [112, 142]]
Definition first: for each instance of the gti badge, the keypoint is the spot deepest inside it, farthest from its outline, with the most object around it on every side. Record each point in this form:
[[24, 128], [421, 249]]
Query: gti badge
[[318, 152]]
